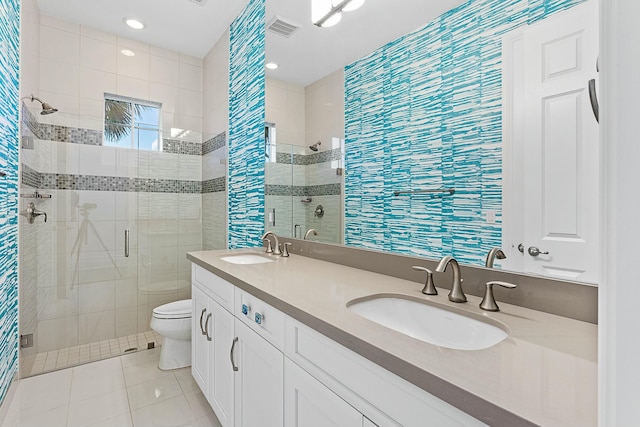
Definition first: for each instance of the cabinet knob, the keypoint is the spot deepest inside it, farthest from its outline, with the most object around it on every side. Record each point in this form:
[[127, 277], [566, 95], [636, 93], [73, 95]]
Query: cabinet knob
[[246, 309], [259, 318]]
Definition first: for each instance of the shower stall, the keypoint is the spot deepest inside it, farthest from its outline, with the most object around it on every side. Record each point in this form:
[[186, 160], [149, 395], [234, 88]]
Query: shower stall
[[119, 222], [124, 201]]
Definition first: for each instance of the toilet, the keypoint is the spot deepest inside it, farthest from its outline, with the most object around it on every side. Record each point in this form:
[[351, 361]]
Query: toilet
[[173, 322]]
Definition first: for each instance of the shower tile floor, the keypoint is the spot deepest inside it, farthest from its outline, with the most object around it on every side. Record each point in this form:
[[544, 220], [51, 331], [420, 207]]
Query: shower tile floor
[[80, 354], [124, 391]]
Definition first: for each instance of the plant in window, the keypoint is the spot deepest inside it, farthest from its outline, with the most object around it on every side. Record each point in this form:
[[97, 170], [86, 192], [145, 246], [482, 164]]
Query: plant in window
[[119, 117]]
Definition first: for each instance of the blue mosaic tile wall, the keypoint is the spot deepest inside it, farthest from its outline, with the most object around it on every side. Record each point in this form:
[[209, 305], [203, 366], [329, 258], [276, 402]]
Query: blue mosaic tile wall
[[246, 126], [9, 108], [424, 112]]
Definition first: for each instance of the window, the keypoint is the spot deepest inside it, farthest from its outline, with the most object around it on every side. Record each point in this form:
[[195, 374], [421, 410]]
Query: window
[[131, 123]]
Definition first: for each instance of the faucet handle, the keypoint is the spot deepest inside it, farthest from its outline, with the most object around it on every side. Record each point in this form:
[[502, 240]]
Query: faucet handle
[[489, 302], [269, 249], [285, 250], [429, 287]]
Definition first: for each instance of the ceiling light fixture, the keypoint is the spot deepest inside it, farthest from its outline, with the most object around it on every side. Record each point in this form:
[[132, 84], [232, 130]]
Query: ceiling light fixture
[[271, 65], [133, 23], [326, 13], [127, 52]]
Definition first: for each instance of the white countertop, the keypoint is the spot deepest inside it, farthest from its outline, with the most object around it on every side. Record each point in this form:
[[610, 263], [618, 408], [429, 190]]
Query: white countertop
[[545, 372]]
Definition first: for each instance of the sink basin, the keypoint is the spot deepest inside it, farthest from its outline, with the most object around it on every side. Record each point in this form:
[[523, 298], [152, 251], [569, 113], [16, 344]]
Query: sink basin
[[428, 323], [245, 259]]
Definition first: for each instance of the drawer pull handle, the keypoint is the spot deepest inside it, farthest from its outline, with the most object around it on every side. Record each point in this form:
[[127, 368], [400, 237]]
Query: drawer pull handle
[[204, 310], [246, 309], [259, 318], [233, 346], [206, 327]]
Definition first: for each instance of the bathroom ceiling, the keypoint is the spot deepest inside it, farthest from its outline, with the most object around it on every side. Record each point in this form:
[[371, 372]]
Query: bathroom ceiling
[[180, 25], [308, 54]]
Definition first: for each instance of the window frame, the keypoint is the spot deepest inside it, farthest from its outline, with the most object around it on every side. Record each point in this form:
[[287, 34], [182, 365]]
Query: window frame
[[135, 125]]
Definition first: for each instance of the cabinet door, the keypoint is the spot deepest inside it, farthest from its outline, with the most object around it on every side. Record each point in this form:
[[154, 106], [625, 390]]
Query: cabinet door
[[308, 403], [258, 380], [221, 377], [199, 344]]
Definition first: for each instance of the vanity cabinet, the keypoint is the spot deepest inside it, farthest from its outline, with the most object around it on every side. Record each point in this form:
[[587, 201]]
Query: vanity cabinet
[[260, 367]]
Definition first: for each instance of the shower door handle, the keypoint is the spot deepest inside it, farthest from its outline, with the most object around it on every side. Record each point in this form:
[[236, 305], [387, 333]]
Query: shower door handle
[[126, 243]]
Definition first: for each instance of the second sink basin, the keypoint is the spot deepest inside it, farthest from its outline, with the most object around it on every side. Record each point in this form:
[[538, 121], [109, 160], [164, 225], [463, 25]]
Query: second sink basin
[[428, 323], [245, 259]]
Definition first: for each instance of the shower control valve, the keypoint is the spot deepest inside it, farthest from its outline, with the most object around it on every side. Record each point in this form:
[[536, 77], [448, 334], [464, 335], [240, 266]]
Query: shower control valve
[[246, 309]]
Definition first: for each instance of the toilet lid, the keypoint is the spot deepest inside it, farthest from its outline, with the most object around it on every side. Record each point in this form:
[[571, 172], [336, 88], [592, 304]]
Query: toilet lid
[[174, 310]]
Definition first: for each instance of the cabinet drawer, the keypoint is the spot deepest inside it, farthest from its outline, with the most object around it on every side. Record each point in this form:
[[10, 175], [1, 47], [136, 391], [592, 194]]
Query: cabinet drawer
[[267, 321], [215, 287], [380, 395]]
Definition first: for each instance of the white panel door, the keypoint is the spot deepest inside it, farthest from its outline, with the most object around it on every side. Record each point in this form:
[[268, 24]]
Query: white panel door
[[258, 380], [199, 344], [221, 376], [308, 403], [561, 147]]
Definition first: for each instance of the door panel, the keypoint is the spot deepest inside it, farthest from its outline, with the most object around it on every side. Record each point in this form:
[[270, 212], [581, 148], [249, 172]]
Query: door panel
[[561, 146], [258, 381], [308, 403]]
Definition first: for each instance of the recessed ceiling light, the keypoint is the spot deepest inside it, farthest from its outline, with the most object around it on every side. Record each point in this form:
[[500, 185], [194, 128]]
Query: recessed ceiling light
[[271, 65], [134, 23], [127, 52]]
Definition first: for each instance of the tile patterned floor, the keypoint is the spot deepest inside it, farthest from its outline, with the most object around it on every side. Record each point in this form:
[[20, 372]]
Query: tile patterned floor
[[124, 391], [80, 354]]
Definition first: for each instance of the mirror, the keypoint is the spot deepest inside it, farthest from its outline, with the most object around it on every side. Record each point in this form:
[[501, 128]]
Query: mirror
[[431, 111]]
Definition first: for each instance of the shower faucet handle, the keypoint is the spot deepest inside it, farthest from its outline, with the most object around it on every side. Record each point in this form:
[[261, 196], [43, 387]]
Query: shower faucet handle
[[32, 212]]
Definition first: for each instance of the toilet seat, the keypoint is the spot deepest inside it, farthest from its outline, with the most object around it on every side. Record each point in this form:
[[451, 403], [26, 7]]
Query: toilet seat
[[173, 310]]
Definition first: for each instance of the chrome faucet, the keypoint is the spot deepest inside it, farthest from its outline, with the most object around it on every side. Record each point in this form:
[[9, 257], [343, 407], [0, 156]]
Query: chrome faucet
[[492, 255], [456, 294], [275, 251], [310, 231]]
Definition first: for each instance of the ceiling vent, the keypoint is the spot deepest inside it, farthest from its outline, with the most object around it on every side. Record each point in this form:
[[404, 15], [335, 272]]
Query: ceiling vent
[[200, 2], [281, 26]]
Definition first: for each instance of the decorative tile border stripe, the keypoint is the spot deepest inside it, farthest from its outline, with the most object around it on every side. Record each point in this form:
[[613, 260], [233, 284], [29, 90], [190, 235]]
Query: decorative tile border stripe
[[303, 191], [9, 149], [309, 159], [214, 143], [435, 125], [246, 126], [215, 185], [73, 135], [52, 181], [30, 121], [69, 134], [30, 177], [175, 146]]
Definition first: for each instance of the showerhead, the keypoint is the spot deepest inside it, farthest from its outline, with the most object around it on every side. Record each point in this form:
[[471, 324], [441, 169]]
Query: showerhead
[[46, 107], [314, 147]]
